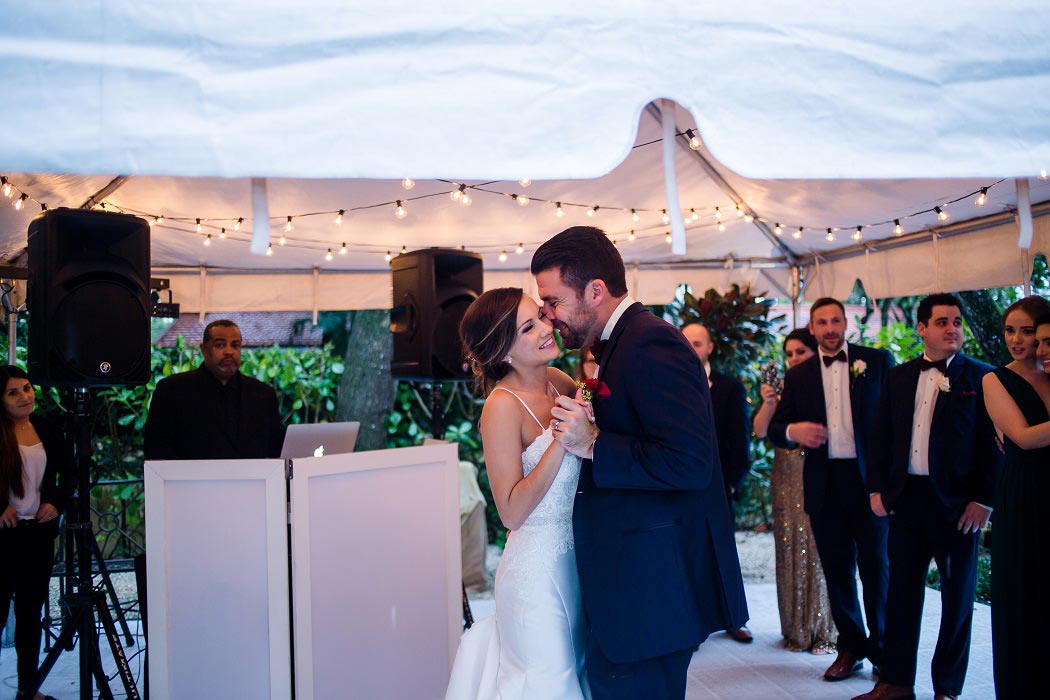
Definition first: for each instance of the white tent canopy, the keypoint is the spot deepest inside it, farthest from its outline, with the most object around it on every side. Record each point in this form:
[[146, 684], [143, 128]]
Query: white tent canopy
[[169, 110]]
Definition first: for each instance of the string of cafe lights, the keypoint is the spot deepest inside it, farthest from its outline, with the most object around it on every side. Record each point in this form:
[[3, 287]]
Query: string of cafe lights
[[234, 228]]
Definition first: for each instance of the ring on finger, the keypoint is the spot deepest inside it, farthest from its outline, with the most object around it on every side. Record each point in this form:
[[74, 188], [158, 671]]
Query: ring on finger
[[557, 426]]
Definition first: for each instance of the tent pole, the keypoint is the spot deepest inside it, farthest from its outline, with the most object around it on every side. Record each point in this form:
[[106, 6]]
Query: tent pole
[[12, 335], [796, 294]]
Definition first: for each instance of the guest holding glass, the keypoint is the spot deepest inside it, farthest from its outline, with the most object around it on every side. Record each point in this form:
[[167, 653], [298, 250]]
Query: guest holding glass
[[805, 614], [35, 460], [1017, 397]]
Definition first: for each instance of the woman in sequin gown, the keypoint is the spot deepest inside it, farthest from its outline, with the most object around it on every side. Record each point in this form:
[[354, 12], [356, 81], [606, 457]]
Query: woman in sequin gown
[[805, 615]]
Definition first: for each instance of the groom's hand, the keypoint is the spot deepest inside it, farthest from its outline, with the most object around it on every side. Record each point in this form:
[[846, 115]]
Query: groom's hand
[[572, 426]]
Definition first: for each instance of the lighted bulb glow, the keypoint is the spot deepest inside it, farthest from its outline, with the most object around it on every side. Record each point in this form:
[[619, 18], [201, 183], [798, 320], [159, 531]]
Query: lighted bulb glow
[[778, 229], [667, 238], [160, 219], [400, 212], [207, 241], [404, 250], [503, 256], [693, 215], [739, 211], [454, 195], [721, 226], [718, 213], [153, 222], [858, 234], [630, 236], [7, 186], [830, 236], [237, 226], [388, 257], [282, 241], [20, 202], [941, 214], [749, 217], [408, 183], [523, 200], [520, 249], [288, 224], [982, 198], [222, 233], [897, 228], [592, 211], [558, 212], [465, 200], [1042, 174], [328, 255], [634, 216], [269, 250], [339, 216], [199, 227], [664, 217], [342, 250], [524, 182], [694, 141]]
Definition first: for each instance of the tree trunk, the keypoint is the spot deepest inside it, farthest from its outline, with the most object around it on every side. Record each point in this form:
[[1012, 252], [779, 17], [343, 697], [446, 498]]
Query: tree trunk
[[366, 390], [985, 320]]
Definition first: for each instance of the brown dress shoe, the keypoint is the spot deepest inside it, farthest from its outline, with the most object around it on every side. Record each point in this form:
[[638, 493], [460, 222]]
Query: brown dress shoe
[[888, 691], [846, 664], [944, 696], [742, 635]]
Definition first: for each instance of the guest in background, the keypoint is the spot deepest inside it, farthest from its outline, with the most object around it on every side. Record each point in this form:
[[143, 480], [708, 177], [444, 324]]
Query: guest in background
[[805, 614], [35, 464], [587, 367], [931, 474], [1018, 400], [729, 409]]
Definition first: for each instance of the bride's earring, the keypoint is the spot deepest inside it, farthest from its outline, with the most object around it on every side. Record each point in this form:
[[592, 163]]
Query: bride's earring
[[508, 360]]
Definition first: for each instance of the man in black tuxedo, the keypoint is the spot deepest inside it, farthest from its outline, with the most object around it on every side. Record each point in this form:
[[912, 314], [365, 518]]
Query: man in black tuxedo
[[827, 406], [654, 539], [931, 473], [732, 427], [214, 411]]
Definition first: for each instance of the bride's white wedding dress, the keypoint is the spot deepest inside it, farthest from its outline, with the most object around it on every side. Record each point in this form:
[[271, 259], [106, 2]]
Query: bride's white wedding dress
[[532, 648]]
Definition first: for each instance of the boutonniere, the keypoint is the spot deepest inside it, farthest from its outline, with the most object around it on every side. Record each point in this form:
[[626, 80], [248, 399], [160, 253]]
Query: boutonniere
[[858, 368], [592, 388], [944, 385]]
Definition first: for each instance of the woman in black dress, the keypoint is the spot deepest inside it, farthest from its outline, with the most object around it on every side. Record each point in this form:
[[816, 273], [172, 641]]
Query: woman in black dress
[[1018, 400], [34, 460]]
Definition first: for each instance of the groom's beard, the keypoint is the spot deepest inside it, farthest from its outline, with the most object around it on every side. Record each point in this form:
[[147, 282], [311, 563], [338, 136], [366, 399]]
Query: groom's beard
[[577, 333]]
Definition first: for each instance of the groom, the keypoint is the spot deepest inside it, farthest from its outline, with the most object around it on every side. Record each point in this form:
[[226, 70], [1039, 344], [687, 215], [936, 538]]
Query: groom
[[654, 540]]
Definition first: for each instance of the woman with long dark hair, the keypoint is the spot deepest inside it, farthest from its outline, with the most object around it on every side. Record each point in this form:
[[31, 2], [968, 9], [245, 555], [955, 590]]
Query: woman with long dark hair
[[34, 463]]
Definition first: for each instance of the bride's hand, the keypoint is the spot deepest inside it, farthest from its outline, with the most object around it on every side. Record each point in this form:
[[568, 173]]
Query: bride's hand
[[587, 405], [573, 428]]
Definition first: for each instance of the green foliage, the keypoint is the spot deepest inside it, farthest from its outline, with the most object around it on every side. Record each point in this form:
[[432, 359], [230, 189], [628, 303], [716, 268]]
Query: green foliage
[[984, 578], [902, 342]]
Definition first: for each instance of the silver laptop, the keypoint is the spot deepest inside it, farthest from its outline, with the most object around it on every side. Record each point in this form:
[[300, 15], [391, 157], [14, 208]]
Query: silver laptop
[[319, 439]]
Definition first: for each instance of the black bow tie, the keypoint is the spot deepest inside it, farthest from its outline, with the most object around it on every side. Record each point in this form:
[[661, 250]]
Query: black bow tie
[[829, 360], [597, 349], [942, 365]]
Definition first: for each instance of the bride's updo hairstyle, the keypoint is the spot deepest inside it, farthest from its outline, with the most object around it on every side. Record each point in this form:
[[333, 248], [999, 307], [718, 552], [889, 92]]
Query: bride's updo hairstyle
[[487, 333]]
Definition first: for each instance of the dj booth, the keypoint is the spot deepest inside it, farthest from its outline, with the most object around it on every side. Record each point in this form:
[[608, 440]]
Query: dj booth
[[343, 568]]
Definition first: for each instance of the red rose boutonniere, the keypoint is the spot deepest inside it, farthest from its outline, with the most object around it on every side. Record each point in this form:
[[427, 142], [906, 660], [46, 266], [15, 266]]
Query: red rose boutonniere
[[593, 388]]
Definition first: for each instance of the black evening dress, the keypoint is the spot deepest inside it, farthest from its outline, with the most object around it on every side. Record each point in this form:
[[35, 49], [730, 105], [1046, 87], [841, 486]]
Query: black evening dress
[[1020, 561]]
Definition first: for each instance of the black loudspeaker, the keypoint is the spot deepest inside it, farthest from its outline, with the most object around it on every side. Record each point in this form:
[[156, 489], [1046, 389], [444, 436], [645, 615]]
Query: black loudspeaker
[[88, 299], [432, 290]]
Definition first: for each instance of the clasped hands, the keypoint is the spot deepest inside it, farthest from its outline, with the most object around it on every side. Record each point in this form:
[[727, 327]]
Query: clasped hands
[[572, 422]]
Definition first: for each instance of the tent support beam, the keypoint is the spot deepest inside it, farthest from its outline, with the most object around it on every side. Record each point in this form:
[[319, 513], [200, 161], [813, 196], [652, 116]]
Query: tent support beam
[[109, 189], [720, 181]]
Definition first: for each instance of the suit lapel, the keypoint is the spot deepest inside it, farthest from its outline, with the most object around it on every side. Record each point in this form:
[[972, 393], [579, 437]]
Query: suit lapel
[[817, 380], [955, 370], [617, 332]]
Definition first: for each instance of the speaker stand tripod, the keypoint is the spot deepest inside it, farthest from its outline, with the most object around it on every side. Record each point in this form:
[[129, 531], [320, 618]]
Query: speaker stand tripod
[[82, 600]]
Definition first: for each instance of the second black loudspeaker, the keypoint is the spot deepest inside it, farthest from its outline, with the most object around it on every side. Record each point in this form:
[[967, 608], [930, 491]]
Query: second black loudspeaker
[[432, 290], [88, 299]]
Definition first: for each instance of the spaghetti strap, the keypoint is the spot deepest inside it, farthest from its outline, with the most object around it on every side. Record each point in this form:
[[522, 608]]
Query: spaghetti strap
[[499, 388]]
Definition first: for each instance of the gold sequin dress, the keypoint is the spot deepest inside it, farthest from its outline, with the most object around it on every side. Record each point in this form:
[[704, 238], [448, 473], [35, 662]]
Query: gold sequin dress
[[805, 615]]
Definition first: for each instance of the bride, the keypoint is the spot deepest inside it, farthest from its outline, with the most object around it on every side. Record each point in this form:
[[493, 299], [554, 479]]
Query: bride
[[532, 648]]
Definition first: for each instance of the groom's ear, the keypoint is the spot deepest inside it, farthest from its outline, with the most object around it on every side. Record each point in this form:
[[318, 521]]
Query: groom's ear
[[595, 292]]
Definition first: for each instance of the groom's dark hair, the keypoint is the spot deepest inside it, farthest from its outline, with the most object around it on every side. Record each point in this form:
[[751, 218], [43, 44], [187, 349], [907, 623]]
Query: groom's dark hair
[[925, 310], [582, 254]]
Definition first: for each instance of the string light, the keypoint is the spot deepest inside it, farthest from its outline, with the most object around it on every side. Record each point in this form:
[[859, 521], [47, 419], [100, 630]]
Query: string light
[[897, 229], [408, 183], [664, 217], [778, 229], [43, 207], [159, 219], [749, 217], [797, 234], [199, 227], [667, 238], [339, 216], [222, 233], [288, 225], [520, 249], [693, 215], [152, 222], [694, 141], [634, 216], [558, 212], [739, 211], [20, 202], [7, 185], [503, 256], [343, 250], [454, 195], [721, 226], [237, 226], [630, 236], [465, 200], [982, 198], [718, 213], [858, 234], [269, 250], [400, 212], [388, 257], [592, 211], [1042, 174], [524, 182], [522, 200], [404, 250], [328, 255], [283, 240], [207, 241], [830, 236], [941, 214]]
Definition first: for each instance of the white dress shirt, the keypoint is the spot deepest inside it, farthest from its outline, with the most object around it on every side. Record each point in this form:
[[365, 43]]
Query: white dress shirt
[[836, 378], [616, 314], [925, 401]]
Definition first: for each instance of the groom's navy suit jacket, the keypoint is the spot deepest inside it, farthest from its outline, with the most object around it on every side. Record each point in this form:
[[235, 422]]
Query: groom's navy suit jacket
[[654, 540], [963, 457], [803, 400]]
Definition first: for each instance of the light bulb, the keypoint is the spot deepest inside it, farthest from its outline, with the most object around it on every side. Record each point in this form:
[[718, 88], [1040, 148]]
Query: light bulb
[[400, 212], [7, 186], [503, 256], [830, 236], [718, 213], [339, 216], [749, 217], [630, 236], [634, 216], [797, 234], [342, 250], [739, 211], [982, 198], [897, 229], [693, 215], [559, 212], [404, 250], [664, 217], [694, 141], [237, 226], [388, 257], [454, 195], [152, 222], [593, 210], [667, 238], [283, 240], [941, 214], [222, 233], [858, 234], [721, 226], [520, 249], [288, 224], [199, 227], [160, 219], [328, 255], [207, 241], [269, 249], [465, 200], [778, 229], [1042, 174], [524, 182], [522, 200], [408, 183]]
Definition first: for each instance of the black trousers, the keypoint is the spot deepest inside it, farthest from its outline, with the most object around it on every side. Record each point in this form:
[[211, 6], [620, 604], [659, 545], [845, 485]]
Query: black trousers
[[662, 678], [922, 529], [848, 537], [26, 555]]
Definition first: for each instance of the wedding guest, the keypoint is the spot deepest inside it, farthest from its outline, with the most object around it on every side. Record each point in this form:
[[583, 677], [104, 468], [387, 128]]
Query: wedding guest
[[1017, 397], [729, 409], [933, 469], [805, 613], [587, 367], [35, 463], [826, 407]]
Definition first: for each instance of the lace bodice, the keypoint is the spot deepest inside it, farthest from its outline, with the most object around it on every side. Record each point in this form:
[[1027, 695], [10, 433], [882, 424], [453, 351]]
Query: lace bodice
[[556, 506]]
